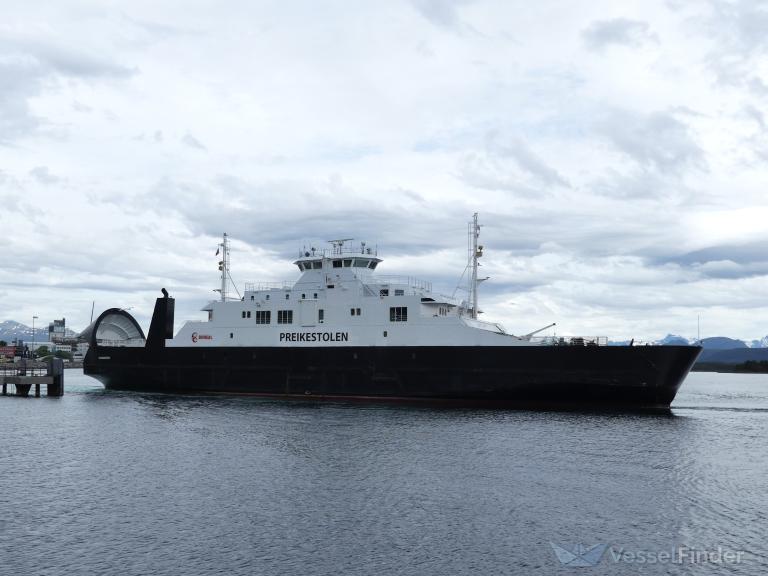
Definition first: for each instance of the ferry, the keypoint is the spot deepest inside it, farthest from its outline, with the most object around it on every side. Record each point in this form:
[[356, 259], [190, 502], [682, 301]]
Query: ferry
[[343, 332]]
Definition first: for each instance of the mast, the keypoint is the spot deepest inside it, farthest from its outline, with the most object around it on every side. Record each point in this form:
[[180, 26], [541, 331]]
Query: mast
[[475, 252], [224, 266]]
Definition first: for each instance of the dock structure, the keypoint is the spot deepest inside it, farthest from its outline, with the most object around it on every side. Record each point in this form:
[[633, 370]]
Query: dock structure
[[23, 376]]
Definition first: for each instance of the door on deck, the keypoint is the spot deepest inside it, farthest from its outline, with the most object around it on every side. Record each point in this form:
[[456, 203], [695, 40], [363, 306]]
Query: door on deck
[[308, 311]]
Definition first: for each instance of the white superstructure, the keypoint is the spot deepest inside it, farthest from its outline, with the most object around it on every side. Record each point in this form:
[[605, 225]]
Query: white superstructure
[[339, 300]]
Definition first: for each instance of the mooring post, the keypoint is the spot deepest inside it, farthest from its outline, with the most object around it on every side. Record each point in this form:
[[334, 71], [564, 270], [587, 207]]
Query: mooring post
[[56, 370]]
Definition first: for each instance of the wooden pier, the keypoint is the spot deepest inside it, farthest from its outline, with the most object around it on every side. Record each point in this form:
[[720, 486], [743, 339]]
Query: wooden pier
[[24, 375]]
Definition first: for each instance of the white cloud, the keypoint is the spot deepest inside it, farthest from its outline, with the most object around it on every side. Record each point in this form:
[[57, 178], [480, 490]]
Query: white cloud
[[616, 153], [619, 31]]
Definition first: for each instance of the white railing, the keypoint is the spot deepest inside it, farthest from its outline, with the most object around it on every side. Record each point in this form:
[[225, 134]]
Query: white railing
[[123, 343], [409, 281], [254, 286], [570, 340], [338, 251]]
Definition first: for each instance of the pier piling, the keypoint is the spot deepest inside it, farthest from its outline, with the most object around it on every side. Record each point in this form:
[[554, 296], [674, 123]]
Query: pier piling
[[22, 377]]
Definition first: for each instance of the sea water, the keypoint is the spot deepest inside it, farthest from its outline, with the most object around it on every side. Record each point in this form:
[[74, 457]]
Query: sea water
[[101, 482]]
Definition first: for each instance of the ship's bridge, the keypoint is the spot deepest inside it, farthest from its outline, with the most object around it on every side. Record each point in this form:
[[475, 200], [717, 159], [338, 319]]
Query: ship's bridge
[[341, 255], [331, 263]]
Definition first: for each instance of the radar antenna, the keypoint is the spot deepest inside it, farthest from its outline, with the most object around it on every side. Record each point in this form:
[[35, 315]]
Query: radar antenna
[[338, 245]]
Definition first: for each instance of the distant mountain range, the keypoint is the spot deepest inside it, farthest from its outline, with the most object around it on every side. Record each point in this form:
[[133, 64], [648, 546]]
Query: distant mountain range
[[11, 330], [714, 342], [720, 349]]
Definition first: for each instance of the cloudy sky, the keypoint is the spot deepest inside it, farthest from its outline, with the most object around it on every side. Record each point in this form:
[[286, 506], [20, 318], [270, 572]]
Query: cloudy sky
[[616, 153]]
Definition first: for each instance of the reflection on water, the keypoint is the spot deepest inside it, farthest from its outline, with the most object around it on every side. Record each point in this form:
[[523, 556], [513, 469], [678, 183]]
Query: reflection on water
[[202, 485]]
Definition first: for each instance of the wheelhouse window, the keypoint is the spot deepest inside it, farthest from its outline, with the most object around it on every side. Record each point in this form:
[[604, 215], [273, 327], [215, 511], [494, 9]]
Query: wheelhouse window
[[399, 292], [347, 262], [317, 265], [337, 263], [263, 316], [285, 316], [398, 314]]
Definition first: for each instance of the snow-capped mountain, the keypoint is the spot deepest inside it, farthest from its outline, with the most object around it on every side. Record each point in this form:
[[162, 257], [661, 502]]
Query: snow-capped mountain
[[11, 330], [674, 340]]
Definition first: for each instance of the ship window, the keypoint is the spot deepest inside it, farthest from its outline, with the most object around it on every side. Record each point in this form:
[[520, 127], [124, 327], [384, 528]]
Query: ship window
[[248, 314], [320, 315], [361, 263], [285, 316], [399, 292], [352, 311], [251, 297], [317, 265], [301, 266], [267, 296], [398, 314], [372, 264], [384, 292], [358, 311], [337, 263], [231, 335], [347, 262], [303, 296], [385, 333], [243, 313], [263, 316], [287, 296], [315, 296]]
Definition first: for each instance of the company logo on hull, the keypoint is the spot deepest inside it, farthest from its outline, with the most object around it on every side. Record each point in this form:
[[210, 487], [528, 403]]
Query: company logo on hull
[[314, 336], [196, 337]]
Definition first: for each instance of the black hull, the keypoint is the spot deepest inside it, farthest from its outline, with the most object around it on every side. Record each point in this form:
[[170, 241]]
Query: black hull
[[545, 376]]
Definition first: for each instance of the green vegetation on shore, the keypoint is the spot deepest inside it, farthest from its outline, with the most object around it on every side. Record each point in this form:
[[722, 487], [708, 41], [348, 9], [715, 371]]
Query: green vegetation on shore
[[748, 367]]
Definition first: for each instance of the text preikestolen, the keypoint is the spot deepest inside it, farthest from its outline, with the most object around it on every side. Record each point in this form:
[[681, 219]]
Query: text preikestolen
[[314, 336]]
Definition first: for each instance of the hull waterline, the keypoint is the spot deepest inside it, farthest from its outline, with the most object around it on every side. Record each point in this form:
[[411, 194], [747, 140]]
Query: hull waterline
[[537, 376]]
